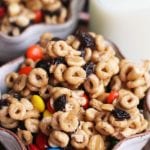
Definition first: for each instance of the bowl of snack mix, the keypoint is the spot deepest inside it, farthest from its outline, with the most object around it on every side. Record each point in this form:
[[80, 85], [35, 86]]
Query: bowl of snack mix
[[76, 93], [23, 21]]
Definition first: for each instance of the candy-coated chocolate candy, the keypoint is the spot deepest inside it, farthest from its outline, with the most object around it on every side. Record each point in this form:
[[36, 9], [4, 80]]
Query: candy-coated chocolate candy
[[86, 105], [34, 52], [38, 103], [38, 16], [47, 113], [41, 141], [53, 148], [25, 70], [33, 147], [50, 108], [112, 96]]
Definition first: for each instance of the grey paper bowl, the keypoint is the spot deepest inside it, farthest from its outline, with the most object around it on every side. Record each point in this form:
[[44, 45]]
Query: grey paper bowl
[[10, 141], [12, 47]]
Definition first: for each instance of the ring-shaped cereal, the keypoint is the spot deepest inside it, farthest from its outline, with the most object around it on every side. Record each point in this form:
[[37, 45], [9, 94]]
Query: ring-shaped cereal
[[88, 127], [116, 83], [10, 78], [75, 75], [90, 114], [105, 128], [96, 142], [137, 83], [59, 71], [58, 138], [45, 92], [32, 125], [25, 92], [88, 54], [38, 77], [68, 122], [17, 111], [79, 139], [60, 48], [62, 91], [25, 136], [45, 125], [92, 83], [74, 60], [20, 83], [27, 104], [55, 120], [34, 113], [129, 101], [103, 71]]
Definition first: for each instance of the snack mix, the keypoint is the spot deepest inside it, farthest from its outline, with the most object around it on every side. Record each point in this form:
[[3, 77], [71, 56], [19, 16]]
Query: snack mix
[[74, 94], [17, 15]]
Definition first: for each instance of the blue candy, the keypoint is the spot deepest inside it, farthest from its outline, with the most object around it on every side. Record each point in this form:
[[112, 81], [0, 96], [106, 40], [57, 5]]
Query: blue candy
[[54, 148]]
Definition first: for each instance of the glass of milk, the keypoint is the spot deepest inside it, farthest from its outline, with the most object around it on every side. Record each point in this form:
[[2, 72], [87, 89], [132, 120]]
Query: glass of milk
[[125, 22]]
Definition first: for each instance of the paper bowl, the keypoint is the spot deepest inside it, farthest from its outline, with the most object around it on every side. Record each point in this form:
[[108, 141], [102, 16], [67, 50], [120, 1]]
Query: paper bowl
[[11, 47], [135, 142], [10, 141]]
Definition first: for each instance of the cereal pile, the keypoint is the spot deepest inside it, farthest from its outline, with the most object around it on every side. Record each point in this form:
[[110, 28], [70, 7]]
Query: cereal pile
[[17, 15], [74, 94]]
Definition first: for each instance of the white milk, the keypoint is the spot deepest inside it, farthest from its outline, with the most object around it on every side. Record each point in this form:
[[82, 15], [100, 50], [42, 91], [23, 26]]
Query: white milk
[[126, 22]]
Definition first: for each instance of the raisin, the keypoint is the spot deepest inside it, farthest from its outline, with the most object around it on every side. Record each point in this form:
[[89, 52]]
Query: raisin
[[120, 114], [89, 68], [59, 60], [111, 142], [56, 39], [52, 13], [3, 102], [141, 104], [66, 2], [60, 103], [15, 95], [86, 40], [44, 64]]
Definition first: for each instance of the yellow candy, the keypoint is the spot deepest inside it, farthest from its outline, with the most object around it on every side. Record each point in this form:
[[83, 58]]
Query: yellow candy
[[47, 114], [38, 103]]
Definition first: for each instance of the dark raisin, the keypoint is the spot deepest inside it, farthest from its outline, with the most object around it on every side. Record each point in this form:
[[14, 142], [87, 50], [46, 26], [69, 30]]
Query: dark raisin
[[89, 68], [15, 95], [56, 39], [86, 40], [44, 64], [120, 114], [66, 2], [59, 60], [112, 141], [21, 125], [82, 53], [3, 102], [60, 103], [141, 104], [52, 13]]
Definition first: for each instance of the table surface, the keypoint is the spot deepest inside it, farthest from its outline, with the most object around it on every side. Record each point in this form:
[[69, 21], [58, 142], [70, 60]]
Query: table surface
[[82, 23]]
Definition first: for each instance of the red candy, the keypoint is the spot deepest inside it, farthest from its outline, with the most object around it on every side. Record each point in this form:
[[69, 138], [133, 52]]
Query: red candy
[[50, 108], [112, 96], [34, 52], [25, 70], [38, 16], [33, 147], [41, 141], [2, 12], [86, 105]]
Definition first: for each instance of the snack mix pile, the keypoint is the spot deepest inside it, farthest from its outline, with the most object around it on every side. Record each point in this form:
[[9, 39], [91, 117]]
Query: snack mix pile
[[74, 94], [17, 15]]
